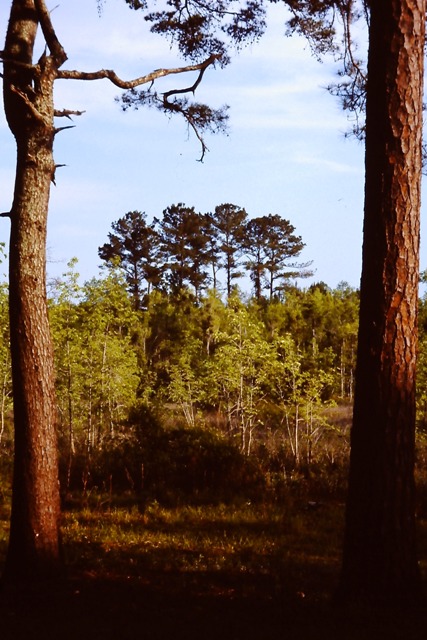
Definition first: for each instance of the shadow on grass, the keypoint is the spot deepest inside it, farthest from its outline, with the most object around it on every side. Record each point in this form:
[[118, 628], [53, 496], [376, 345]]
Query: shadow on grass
[[204, 575]]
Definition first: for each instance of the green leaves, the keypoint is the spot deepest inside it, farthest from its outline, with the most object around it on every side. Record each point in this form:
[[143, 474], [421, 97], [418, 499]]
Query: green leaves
[[96, 362], [261, 372], [203, 32], [183, 245]]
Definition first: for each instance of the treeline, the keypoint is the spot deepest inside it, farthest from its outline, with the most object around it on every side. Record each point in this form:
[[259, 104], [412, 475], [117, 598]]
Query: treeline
[[252, 374], [197, 394], [195, 390], [193, 383], [189, 249]]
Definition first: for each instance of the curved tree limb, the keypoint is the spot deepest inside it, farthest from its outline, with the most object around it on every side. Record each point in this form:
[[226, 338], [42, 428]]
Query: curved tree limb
[[172, 106], [131, 84], [194, 86], [175, 106]]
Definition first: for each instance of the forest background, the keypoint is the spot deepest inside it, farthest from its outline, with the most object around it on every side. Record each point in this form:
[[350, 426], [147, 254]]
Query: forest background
[[170, 389]]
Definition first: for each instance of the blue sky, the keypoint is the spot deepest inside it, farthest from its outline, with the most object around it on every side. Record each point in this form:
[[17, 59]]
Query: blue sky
[[285, 153]]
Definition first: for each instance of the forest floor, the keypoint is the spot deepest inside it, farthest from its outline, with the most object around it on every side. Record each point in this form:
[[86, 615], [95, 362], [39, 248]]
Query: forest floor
[[253, 572]]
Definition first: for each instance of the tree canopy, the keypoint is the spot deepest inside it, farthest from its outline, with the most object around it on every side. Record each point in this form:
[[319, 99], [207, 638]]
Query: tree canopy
[[175, 251]]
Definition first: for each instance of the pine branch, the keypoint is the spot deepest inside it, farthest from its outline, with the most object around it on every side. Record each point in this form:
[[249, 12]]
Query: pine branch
[[131, 84]]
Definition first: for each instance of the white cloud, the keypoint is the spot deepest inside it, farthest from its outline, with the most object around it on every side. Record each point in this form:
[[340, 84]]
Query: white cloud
[[324, 163]]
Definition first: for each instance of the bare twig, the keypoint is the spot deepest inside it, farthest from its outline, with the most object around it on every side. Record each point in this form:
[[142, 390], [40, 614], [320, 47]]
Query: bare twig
[[190, 120], [346, 16], [58, 129]]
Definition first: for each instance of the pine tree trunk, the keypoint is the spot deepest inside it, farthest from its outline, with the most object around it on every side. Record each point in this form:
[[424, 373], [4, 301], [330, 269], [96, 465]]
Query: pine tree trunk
[[34, 546], [380, 560]]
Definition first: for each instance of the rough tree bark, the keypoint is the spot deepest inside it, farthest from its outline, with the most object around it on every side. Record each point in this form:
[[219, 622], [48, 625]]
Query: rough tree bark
[[380, 559], [34, 551]]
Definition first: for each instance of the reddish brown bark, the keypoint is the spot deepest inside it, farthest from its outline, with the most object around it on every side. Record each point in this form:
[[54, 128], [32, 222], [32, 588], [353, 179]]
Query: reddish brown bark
[[34, 547], [380, 560]]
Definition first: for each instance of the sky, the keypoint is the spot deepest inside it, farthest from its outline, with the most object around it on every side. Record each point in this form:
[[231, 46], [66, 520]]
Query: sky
[[285, 153]]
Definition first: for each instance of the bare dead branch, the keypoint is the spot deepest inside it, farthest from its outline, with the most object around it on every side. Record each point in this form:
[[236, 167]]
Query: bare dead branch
[[131, 84], [191, 89], [58, 129], [53, 177], [174, 107], [37, 115], [67, 113], [17, 63], [199, 136], [49, 33]]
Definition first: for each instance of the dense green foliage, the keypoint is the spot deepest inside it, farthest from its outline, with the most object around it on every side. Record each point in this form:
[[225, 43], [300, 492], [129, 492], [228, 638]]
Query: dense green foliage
[[202, 396], [194, 395]]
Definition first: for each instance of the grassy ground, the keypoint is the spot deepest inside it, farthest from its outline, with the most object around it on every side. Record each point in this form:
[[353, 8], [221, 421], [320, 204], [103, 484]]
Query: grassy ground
[[224, 573]]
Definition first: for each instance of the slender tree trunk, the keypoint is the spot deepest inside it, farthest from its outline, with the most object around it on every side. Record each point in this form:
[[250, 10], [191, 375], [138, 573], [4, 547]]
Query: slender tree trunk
[[70, 415], [380, 560], [229, 267], [34, 546], [5, 393], [342, 369]]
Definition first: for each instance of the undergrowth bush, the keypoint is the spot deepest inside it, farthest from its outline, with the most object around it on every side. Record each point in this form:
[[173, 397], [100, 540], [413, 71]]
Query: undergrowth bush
[[172, 465]]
